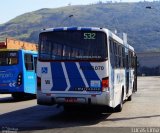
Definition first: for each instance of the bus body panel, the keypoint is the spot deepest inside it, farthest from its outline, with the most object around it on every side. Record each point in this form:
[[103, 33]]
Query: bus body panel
[[82, 80], [72, 76], [8, 80], [119, 81], [30, 78], [10, 76], [30, 82]]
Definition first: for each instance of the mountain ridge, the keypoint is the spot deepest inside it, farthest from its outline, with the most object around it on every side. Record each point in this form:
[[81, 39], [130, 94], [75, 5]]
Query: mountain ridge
[[141, 24]]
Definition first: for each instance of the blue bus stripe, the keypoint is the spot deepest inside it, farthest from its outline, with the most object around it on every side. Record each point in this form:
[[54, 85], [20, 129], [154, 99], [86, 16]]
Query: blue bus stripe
[[72, 28], [89, 74], [58, 29], [58, 78], [86, 29], [74, 76]]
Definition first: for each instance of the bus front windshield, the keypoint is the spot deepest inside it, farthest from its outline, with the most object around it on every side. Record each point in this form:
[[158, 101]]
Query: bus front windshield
[[73, 45], [8, 58]]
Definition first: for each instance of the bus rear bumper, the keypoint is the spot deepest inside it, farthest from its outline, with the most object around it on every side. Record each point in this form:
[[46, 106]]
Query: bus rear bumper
[[42, 99], [90, 99]]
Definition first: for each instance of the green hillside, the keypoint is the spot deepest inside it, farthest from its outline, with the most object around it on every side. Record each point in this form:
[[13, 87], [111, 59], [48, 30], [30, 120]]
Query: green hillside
[[142, 25]]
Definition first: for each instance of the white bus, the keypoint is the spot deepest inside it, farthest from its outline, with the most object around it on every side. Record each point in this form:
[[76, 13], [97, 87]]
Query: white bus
[[89, 66]]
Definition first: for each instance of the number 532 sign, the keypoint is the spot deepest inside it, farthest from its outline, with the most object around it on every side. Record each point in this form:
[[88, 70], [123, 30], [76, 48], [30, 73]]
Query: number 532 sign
[[89, 36]]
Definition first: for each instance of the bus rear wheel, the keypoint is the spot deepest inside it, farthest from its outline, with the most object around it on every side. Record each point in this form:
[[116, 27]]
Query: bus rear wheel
[[129, 98], [119, 106]]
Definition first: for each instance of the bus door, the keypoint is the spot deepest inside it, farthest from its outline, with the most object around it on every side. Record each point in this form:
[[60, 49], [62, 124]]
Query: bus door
[[29, 74]]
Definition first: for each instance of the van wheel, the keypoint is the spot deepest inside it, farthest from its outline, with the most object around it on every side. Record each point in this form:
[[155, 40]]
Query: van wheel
[[119, 106]]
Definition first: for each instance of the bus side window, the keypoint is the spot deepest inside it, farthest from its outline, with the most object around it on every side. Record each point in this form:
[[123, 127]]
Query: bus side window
[[35, 64], [115, 57], [29, 62], [123, 56], [120, 57], [110, 45], [133, 60], [130, 59]]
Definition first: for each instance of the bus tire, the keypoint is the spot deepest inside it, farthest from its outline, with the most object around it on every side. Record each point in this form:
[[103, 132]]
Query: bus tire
[[134, 89], [129, 98], [18, 96], [119, 107]]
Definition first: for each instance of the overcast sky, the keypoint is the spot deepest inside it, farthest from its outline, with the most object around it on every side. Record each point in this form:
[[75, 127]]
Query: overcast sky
[[12, 8]]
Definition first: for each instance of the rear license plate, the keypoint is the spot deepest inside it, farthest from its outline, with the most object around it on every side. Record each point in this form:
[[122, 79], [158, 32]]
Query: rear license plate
[[70, 100]]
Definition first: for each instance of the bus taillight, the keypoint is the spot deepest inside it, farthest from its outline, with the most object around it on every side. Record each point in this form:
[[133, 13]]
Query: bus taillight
[[19, 79], [38, 83], [105, 84]]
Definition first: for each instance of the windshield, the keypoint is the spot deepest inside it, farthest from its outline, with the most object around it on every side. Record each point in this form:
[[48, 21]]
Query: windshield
[[72, 45], [8, 58]]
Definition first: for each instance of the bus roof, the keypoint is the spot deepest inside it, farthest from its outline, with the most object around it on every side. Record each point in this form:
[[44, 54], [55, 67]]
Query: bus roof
[[110, 33], [27, 51], [73, 29]]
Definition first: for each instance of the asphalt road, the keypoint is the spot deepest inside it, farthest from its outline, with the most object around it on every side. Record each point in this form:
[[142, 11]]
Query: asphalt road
[[27, 116]]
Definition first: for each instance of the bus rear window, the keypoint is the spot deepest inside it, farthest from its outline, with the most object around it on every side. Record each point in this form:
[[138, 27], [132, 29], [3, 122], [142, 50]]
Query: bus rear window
[[73, 45], [8, 58]]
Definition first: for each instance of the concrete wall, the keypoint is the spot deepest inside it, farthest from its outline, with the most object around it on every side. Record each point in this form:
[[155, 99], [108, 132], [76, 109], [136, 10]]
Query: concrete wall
[[17, 44]]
